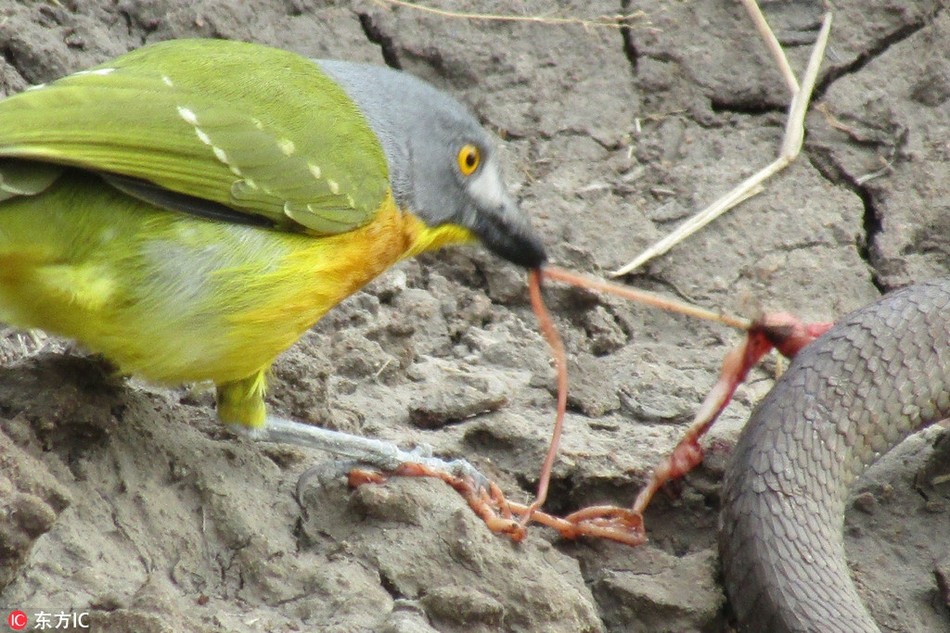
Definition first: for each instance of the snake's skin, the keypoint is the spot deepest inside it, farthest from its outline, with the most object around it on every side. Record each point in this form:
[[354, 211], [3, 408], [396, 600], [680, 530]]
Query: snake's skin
[[877, 376]]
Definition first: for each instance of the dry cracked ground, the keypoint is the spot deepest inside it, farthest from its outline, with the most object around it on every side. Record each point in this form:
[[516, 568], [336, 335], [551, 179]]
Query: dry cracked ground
[[128, 501]]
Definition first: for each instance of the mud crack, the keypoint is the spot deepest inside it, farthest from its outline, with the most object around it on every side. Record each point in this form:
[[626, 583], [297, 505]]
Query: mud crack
[[375, 34]]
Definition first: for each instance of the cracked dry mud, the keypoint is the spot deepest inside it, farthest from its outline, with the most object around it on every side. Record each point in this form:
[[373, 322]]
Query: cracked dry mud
[[127, 500]]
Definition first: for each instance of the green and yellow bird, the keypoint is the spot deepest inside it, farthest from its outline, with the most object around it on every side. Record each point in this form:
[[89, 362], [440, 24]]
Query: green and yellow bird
[[191, 208]]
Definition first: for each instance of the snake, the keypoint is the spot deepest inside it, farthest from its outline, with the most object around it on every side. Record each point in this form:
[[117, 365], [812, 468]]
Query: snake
[[878, 375]]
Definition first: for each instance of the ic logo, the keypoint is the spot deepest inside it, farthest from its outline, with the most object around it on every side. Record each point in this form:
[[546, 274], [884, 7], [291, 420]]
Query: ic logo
[[17, 620]]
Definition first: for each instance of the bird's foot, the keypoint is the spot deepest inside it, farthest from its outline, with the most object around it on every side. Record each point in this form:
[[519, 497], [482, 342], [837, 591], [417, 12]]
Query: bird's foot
[[373, 453], [381, 460]]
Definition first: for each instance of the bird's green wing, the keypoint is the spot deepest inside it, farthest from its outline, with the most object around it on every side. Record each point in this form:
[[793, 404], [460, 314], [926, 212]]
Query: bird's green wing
[[21, 178], [258, 130]]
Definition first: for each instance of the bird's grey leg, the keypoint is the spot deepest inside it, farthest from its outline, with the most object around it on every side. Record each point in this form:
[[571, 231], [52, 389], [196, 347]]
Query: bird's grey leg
[[380, 454]]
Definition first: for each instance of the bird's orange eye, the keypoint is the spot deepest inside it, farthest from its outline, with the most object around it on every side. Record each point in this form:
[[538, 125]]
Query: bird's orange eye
[[469, 158]]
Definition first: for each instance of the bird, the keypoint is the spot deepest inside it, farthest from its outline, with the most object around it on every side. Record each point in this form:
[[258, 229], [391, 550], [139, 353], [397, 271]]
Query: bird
[[190, 209]]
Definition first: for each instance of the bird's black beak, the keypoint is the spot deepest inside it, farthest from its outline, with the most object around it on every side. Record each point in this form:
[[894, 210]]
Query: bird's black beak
[[515, 240]]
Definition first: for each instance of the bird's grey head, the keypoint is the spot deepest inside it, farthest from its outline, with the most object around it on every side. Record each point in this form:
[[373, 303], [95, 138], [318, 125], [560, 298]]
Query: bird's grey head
[[443, 165]]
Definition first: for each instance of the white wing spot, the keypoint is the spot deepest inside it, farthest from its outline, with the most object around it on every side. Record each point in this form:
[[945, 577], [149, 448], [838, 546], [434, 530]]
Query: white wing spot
[[287, 146], [250, 183], [36, 87], [187, 115], [220, 155], [168, 81], [334, 186], [234, 170], [107, 235], [102, 72], [314, 170]]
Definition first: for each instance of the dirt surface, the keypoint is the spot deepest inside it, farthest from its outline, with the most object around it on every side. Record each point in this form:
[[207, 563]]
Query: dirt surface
[[128, 501]]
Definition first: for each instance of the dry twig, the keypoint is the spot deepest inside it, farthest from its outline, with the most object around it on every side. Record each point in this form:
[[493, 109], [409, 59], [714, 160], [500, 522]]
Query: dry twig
[[617, 21], [791, 143]]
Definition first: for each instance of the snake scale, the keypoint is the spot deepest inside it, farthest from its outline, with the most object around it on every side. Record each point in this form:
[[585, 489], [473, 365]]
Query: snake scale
[[880, 374]]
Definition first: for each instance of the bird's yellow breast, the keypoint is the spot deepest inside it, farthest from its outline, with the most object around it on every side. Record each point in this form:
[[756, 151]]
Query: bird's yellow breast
[[175, 298]]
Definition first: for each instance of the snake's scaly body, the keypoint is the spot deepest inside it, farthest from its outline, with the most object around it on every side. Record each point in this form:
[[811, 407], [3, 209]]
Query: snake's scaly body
[[877, 376]]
